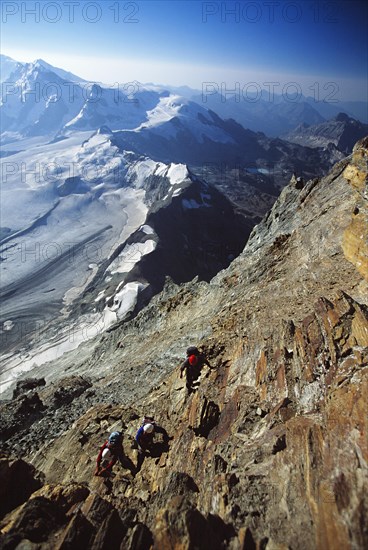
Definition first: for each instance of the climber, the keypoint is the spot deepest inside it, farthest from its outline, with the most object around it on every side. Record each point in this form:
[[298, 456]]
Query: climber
[[297, 181], [193, 366], [145, 435], [110, 452]]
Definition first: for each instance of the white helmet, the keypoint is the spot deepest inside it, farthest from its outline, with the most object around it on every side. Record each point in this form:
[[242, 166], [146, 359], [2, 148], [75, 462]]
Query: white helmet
[[148, 428], [106, 454]]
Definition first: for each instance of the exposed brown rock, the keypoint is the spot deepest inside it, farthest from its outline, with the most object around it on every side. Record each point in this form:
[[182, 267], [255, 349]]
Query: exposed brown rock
[[181, 526], [355, 241]]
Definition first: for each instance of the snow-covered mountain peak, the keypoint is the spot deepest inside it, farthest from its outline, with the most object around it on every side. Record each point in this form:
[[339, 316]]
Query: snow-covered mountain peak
[[7, 67], [177, 173], [171, 106], [174, 115], [65, 75], [40, 64], [37, 77]]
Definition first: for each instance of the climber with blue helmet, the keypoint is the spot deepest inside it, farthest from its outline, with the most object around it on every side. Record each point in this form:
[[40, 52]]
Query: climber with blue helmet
[[110, 452]]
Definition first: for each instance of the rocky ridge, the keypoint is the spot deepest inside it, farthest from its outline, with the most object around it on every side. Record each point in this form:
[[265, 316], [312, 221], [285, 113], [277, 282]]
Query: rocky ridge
[[270, 451], [339, 134]]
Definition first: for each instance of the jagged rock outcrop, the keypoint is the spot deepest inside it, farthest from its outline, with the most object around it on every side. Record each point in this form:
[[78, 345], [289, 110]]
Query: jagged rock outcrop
[[24, 386], [18, 480], [42, 414], [271, 450]]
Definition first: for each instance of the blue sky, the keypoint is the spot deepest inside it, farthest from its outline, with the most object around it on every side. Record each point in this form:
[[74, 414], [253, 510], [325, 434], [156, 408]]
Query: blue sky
[[311, 43]]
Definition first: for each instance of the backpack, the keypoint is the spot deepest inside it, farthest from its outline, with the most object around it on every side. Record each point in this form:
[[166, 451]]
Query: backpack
[[193, 360], [114, 439]]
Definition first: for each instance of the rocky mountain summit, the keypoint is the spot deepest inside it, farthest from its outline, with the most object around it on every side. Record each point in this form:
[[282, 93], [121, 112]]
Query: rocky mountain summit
[[270, 452]]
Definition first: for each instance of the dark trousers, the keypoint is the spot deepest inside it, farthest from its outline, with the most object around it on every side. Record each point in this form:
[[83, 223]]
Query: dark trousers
[[192, 375]]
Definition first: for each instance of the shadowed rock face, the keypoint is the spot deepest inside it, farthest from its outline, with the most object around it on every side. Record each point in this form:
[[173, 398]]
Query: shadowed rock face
[[18, 481], [271, 450]]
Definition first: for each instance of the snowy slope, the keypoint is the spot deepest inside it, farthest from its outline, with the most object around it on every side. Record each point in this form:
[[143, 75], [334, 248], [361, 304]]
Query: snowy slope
[[78, 196], [68, 211], [89, 240], [65, 192]]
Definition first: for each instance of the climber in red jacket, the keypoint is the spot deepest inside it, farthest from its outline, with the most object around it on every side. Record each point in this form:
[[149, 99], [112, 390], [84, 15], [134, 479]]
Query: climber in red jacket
[[193, 366], [110, 452]]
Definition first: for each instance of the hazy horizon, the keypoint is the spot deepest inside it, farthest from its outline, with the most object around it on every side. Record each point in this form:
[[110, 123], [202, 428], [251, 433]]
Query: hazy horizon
[[317, 48]]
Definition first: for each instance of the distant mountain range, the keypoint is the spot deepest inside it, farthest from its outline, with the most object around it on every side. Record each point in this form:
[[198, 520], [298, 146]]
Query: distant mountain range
[[73, 101], [149, 121], [342, 131], [273, 113], [277, 114]]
